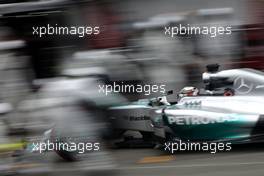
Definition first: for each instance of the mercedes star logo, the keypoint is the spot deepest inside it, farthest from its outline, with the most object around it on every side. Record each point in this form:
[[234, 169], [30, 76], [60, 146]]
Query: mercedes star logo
[[241, 86]]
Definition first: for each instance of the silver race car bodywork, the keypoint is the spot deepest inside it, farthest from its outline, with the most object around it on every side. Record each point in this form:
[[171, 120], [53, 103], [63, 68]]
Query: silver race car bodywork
[[212, 119], [242, 81], [135, 116]]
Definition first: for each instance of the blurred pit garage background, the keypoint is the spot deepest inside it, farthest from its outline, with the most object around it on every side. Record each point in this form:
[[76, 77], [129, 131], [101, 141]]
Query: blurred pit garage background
[[44, 79]]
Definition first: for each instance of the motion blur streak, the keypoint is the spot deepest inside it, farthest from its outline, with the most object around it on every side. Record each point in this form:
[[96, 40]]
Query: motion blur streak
[[50, 84]]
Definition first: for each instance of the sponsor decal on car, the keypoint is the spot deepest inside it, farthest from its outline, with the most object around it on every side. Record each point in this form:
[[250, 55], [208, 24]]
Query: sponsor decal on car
[[198, 120]]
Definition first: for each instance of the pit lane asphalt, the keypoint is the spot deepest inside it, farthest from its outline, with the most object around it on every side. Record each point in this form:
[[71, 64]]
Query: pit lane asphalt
[[248, 160], [240, 162], [243, 160]]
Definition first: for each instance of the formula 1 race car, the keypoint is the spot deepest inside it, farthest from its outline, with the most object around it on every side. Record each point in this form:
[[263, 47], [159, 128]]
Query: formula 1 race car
[[233, 114], [238, 118]]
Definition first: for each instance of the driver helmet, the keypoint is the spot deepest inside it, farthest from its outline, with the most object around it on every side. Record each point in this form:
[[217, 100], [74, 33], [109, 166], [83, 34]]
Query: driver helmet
[[189, 91]]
